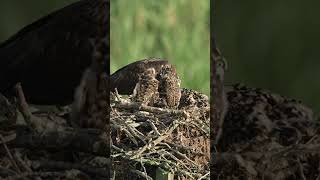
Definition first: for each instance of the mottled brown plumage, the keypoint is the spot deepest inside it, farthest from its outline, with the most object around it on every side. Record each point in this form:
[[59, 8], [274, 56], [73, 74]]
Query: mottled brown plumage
[[126, 78], [146, 90], [49, 56], [169, 88]]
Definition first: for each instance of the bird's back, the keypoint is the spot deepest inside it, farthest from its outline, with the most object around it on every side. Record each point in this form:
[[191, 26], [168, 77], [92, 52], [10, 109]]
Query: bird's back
[[50, 55], [127, 77]]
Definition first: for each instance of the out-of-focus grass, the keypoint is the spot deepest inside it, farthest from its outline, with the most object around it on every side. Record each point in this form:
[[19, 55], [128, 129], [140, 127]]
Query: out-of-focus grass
[[16, 14], [175, 30]]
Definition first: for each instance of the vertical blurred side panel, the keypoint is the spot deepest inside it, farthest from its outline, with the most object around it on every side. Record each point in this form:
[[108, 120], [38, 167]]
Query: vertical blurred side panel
[[107, 59], [218, 97]]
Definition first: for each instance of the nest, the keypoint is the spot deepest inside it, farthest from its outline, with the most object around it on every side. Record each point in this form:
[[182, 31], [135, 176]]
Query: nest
[[41, 144], [152, 142], [266, 136]]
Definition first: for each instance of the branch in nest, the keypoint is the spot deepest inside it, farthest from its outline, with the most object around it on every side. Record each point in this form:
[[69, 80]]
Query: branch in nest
[[102, 172], [84, 140], [155, 110]]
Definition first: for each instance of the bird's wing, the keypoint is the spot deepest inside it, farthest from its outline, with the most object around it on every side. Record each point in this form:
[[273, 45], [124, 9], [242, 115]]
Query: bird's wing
[[126, 78], [56, 47]]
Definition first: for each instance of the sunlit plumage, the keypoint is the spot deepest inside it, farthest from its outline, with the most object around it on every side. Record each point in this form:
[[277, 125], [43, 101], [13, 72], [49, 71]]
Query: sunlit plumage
[[169, 86], [146, 90]]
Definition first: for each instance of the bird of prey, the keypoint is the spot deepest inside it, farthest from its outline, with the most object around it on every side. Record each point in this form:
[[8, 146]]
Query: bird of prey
[[90, 107], [50, 55], [126, 78], [169, 86], [146, 90]]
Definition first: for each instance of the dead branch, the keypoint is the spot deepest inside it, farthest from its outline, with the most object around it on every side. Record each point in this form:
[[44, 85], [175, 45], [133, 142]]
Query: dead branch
[[83, 140]]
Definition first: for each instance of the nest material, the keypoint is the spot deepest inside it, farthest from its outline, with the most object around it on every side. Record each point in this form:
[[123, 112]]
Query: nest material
[[146, 139], [266, 136], [39, 144]]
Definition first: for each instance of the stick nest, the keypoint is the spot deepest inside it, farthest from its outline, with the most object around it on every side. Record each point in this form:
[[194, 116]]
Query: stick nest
[[148, 139], [266, 136]]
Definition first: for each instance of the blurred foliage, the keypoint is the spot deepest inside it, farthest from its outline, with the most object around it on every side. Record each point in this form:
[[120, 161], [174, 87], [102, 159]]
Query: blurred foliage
[[273, 45], [175, 30], [15, 14]]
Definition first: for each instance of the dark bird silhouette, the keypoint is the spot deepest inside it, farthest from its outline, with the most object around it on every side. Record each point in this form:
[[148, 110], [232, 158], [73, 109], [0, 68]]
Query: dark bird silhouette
[[50, 55], [90, 107], [126, 78], [169, 86], [146, 90]]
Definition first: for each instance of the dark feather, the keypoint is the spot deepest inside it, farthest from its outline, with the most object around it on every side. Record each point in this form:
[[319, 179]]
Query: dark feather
[[49, 56], [127, 77]]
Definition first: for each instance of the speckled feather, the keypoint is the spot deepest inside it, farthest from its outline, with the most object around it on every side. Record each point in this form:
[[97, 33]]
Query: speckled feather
[[169, 86], [126, 78], [146, 90]]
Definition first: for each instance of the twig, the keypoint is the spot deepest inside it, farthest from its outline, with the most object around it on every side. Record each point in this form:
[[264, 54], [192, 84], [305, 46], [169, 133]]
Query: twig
[[204, 176], [301, 171], [5, 172], [17, 155], [23, 105], [103, 172], [82, 140], [130, 131], [117, 94], [154, 128], [36, 174], [141, 107], [177, 160], [156, 141], [10, 155], [8, 138], [187, 158], [144, 168]]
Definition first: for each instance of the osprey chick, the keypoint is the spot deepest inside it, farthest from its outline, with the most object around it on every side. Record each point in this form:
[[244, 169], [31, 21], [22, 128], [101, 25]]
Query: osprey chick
[[146, 90], [169, 86], [126, 78]]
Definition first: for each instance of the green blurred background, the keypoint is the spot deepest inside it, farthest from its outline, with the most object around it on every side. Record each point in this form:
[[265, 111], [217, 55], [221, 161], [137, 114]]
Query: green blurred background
[[177, 30], [272, 44], [15, 14]]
